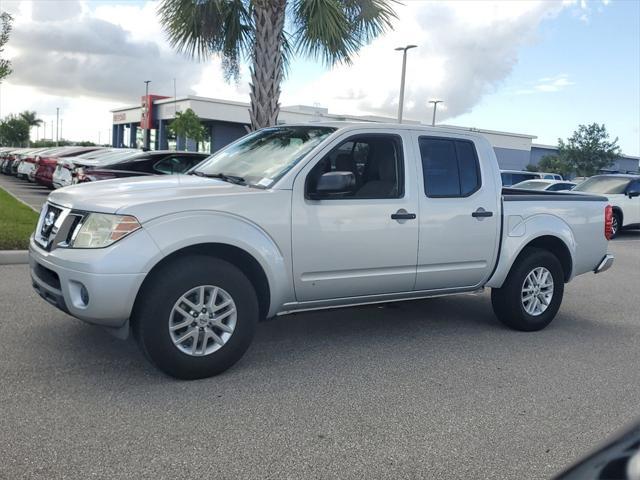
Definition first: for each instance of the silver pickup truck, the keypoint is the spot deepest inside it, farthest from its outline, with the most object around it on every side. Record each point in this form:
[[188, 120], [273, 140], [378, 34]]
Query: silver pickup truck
[[304, 217]]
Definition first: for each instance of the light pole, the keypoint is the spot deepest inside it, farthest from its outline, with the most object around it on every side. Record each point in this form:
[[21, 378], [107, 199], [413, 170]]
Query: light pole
[[404, 69], [147, 107], [435, 105], [57, 117]]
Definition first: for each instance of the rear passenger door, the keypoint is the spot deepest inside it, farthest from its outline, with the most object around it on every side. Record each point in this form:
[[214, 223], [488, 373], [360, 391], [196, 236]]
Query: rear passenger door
[[459, 214]]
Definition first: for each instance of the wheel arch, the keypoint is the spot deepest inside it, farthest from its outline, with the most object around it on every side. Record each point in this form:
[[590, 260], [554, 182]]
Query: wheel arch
[[555, 246], [551, 234], [240, 258]]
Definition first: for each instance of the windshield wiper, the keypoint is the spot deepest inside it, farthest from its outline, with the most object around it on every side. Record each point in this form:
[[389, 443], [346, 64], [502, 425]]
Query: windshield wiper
[[224, 177]]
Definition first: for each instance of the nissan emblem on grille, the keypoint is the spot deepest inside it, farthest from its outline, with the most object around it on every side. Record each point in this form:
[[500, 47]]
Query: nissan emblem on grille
[[47, 224]]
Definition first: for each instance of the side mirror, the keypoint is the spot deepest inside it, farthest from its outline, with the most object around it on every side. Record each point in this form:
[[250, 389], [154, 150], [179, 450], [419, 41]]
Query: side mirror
[[335, 182], [633, 193]]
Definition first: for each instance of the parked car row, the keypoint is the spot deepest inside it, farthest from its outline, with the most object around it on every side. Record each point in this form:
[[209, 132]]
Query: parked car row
[[511, 177], [62, 166]]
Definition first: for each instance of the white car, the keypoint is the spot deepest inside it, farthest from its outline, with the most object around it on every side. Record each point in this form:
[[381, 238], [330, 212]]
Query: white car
[[545, 185], [300, 217], [623, 193]]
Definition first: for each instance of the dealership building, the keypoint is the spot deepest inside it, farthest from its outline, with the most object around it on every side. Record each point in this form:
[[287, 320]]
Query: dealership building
[[226, 121]]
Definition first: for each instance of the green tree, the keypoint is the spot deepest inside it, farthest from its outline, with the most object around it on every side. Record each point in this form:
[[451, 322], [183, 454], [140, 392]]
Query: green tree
[[5, 29], [188, 125], [555, 164], [14, 131], [531, 168], [267, 33], [32, 120], [588, 150]]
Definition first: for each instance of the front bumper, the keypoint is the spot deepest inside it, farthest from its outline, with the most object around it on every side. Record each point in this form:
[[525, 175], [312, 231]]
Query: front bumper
[[85, 286], [605, 264]]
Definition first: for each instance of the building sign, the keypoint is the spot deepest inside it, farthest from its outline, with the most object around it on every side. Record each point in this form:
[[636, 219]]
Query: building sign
[[119, 117], [147, 118]]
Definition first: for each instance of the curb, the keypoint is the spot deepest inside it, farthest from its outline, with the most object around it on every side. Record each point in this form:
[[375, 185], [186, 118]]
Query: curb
[[14, 257]]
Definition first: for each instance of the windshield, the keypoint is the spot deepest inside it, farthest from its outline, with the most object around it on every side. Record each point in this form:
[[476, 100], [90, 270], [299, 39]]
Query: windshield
[[532, 185], [262, 157], [610, 185]]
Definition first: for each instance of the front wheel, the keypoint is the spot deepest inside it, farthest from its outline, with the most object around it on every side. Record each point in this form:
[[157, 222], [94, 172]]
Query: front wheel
[[196, 317], [531, 295]]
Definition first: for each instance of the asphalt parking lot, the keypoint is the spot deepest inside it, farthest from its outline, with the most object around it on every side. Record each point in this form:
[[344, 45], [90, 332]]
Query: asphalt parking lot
[[426, 389], [32, 194]]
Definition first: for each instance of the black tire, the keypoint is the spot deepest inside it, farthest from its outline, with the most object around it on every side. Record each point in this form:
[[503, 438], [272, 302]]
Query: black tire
[[150, 321], [507, 300], [616, 224]]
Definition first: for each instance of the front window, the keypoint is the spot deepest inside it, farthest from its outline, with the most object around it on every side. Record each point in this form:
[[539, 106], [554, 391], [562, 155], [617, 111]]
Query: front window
[[603, 185], [263, 157]]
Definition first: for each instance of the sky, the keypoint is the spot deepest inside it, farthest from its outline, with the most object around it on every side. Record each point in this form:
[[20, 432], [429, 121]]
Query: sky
[[534, 67]]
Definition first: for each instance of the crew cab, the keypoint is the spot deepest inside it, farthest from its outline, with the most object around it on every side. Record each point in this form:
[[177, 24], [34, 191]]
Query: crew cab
[[313, 216], [623, 193]]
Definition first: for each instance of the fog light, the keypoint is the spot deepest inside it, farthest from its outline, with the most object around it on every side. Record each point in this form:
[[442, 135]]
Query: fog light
[[79, 294], [84, 295]]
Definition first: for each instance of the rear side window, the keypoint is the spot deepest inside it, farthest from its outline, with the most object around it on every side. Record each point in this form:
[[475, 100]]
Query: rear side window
[[450, 167]]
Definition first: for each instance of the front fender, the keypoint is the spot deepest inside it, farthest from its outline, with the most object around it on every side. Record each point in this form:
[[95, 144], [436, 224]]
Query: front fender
[[518, 234], [181, 230]]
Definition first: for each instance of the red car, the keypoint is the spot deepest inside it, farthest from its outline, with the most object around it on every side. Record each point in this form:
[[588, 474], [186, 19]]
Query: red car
[[45, 165]]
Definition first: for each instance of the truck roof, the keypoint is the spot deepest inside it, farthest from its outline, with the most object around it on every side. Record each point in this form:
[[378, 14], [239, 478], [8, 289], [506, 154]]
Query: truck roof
[[348, 125]]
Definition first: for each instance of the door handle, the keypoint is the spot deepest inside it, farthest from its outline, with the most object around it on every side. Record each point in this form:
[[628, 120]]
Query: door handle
[[402, 214], [481, 213]]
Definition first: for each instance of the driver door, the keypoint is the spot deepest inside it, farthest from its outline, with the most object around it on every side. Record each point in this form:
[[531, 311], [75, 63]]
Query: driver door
[[353, 244]]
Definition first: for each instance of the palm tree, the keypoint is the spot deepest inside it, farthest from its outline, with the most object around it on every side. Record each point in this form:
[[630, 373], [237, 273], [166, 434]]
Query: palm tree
[[31, 119], [267, 33]]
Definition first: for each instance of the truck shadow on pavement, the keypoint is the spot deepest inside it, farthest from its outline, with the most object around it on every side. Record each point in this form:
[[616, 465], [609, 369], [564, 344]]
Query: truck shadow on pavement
[[393, 333]]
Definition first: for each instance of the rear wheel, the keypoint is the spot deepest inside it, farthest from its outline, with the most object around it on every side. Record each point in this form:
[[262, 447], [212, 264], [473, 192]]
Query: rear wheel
[[532, 293], [197, 317]]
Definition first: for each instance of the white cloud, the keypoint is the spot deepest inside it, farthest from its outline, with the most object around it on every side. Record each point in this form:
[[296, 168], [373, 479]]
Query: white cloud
[[465, 50], [96, 55], [548, 85]]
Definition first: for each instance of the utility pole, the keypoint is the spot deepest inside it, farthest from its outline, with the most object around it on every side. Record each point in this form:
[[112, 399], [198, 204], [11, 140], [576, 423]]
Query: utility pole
[[145, 131], [57, 131], [402, 77], [435, 105]]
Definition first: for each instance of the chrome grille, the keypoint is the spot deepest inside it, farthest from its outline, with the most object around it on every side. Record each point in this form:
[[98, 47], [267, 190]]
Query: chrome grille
[[49, 223]]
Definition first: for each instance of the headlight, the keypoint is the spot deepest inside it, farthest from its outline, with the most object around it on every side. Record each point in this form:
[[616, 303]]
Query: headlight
[[99, 230]]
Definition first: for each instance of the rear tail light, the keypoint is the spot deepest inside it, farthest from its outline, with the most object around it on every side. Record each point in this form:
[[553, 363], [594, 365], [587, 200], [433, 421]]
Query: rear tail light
[[608, 222]]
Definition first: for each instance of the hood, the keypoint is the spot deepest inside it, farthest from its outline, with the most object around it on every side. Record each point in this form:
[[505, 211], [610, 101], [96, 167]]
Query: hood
[[148, 197]]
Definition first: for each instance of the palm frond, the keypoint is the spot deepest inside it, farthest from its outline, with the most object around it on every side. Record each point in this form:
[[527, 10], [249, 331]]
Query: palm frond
[[334, 30], [201, 28]]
